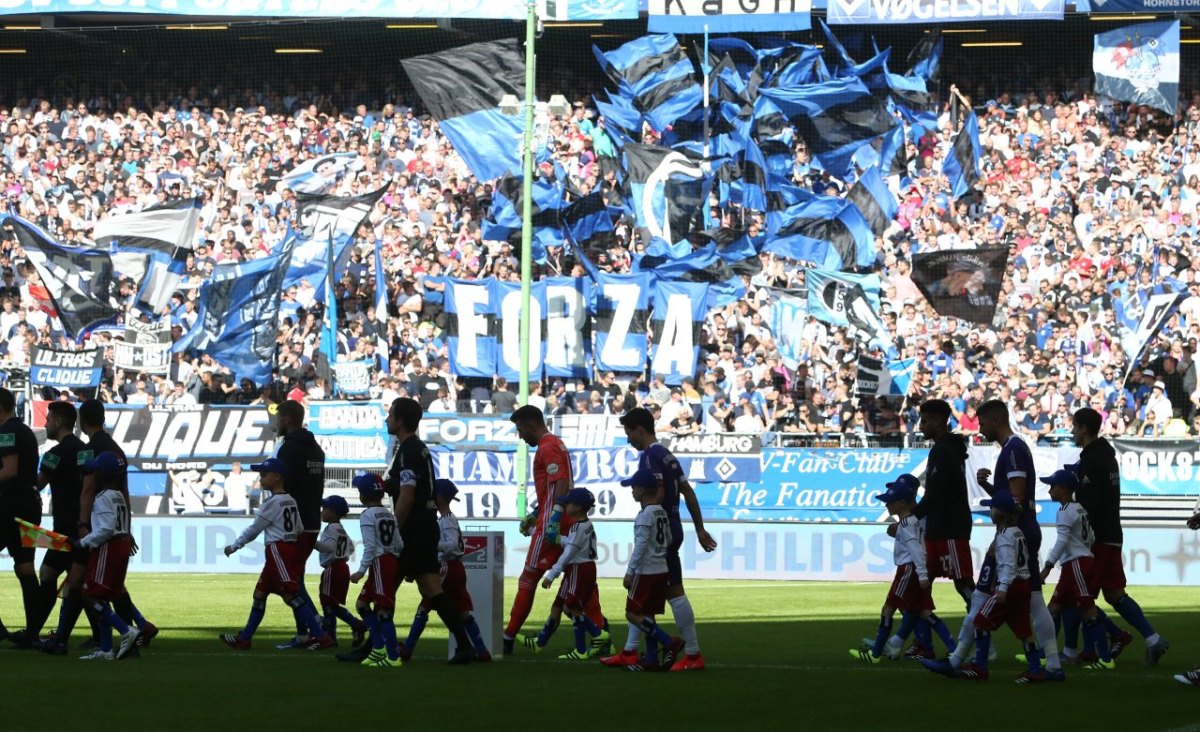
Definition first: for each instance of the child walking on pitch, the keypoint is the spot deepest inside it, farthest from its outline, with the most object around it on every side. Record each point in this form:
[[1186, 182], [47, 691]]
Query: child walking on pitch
[[278, 520], [910, 591], [646, 578], [454, 575], [334, 548], [108, 561], [381, 545], [577, 565]]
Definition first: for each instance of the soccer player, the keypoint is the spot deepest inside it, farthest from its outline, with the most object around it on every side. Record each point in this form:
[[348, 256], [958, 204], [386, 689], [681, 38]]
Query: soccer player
[[1009, 604], [410, 479], [945, 507], [19, 500], [278, 520], [577, 565], [646, 578], [91, 423], [1100, 495], [453, 575], [334, 548], [109, 547], [910, 590], [639, 430], [1015, 474], [552, 479], [305, 482], [381, 548], [1073, 549], [60, 470]]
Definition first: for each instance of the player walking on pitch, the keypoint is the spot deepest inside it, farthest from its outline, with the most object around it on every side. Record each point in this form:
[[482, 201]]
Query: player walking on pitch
[[673, 486], [19, 499]]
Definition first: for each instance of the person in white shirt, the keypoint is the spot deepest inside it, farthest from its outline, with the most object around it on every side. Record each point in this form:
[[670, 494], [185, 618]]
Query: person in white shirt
[[334, 548], [1073, 551], [237, 489], [381, 547], [577, 565]]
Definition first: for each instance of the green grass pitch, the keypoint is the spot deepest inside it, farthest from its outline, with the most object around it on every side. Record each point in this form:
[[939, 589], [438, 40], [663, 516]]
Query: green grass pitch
[[776, 651]]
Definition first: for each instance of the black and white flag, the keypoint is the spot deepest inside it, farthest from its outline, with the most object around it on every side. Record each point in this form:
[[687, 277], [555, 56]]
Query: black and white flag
[[151, 247]]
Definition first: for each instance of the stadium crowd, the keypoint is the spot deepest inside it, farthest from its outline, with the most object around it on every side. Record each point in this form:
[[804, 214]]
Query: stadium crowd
[[1096, 202]]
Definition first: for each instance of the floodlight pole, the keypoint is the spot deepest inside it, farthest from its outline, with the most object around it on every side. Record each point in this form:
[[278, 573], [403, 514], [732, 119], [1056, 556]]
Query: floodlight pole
[[531, 23]]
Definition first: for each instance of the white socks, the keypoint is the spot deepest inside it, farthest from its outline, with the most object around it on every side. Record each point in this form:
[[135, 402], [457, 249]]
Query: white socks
[[634, 638], [966, 634], [685, 621], [1043, 630]]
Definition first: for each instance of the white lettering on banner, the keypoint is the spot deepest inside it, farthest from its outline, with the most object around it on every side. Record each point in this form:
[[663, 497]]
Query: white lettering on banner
[[589, 430], [151, 358], [510, 322], [1152, 467], [175, 435], [353, 376], [351, 447], [849, 462], [350, 417], [471, 324], [62, 377], [566, 317], [676, 351], [906, 10], [470, 431], [727, 7], [65, 359], [624, 298]]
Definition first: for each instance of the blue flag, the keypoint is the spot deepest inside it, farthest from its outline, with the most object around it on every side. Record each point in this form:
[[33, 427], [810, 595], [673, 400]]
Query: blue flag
[[655, 75], [323, 218], [679, 310], [621, 319], [828, 293], [827, 231], [462, 88], [471, 329], [1139, 64], [667, 190], [877, 204], [962, 164], [239, 315], [383, 343], [788, 315], [504, 219], [703, 265], [506, 302]]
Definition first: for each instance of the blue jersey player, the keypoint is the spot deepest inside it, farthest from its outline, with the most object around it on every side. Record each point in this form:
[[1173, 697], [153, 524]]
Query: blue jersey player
[[673, 486], [1015, 474]]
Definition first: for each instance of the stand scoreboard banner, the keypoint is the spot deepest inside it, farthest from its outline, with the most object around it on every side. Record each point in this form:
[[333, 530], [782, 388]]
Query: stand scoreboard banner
[[887, 12]]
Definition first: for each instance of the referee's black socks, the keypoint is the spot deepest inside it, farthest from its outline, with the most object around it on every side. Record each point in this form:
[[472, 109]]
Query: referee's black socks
[[445, 609], [31, 593]]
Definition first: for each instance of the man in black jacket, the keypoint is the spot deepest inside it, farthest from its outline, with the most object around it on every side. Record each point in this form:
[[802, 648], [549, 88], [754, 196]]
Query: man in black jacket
[[1100, 495], [945, 505]]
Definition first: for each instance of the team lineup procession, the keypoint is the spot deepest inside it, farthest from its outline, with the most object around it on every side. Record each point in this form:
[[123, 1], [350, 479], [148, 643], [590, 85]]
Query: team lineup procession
[[598, 364]]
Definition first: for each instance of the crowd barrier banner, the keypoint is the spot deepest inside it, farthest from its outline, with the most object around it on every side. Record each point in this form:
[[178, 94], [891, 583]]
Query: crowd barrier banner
[[746, 551], [190, 438], [352, 434], [886, 12], [421, 9]]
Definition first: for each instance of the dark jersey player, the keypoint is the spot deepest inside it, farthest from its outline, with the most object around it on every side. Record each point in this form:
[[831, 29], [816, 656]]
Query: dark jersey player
[[305, 482], [1015, 474], [673, 486], [19, 500], [945, 505], [1099, 493]]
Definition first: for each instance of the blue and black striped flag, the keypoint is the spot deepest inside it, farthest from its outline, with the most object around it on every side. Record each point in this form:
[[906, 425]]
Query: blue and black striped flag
[[962, 164], [877, 204], [656, 75], [824, 230]]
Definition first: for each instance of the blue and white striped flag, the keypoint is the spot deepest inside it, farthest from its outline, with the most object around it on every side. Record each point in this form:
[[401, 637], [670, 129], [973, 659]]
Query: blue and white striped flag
[[1140, 64]]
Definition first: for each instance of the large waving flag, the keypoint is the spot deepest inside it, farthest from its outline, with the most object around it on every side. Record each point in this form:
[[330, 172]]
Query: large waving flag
[[239, 314], [835, 118], [324, 219], [789, 311], [877, 377], [462, 88], [926, 57], [151, 247], [588, 227], [963, 283], [79, 281], [1139, 64], [504, 218], [320, 174], [877, 204], [705, 265], [667, 190], [962, 164], [830, 292], [826, 231], [656, 75], [1155, 313]]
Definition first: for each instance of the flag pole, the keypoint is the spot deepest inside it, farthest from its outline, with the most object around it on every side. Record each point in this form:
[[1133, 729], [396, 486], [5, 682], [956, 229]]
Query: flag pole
[[531, 22]]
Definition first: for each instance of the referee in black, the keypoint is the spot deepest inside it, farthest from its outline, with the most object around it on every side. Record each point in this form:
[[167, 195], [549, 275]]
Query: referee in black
[[19, 499], [945, 506], [1099, 493], [410, 481]]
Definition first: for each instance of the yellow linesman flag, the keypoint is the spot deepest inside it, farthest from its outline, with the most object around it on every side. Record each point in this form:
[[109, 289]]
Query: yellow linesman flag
[[34, 536]]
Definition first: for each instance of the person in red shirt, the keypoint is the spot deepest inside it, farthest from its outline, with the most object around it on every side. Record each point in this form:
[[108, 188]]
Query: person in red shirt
[[552, 480]]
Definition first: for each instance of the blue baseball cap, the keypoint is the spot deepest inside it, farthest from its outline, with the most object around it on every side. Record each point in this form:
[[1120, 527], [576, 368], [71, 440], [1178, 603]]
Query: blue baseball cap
[[106, 462], [1064, 478], [1002, 500], [368, 485], [643, 477], [270, 465], [580, 497], [337, 504], [445, 488], [902, 488]]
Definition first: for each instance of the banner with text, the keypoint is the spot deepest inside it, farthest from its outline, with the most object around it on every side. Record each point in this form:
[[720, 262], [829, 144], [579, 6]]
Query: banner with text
[[146, 348], [728, 16], [422, 9], [884, 12], [1158, 467], [65, 369]]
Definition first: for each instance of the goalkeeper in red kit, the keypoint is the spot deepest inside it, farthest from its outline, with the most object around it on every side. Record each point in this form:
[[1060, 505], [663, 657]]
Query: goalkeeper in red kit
[[552, 479]]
